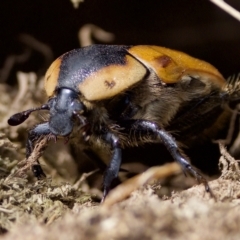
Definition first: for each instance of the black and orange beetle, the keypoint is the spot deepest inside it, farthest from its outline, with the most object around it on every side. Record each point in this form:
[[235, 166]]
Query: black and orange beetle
[[119, 97]]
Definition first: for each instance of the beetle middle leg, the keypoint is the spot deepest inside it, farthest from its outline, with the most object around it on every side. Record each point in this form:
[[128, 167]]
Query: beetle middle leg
[[113, 168], [147, 131], [33, 136]]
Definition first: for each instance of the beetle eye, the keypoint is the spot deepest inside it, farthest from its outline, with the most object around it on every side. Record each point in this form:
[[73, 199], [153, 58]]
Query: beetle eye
[[77, 106]]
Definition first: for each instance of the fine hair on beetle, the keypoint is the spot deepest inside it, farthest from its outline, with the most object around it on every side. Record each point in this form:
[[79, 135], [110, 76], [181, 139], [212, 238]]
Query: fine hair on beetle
[[121, 97]]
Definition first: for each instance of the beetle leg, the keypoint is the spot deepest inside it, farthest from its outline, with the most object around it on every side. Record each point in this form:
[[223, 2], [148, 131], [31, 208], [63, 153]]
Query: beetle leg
[[33, 136], [112, 170], [149, 131]]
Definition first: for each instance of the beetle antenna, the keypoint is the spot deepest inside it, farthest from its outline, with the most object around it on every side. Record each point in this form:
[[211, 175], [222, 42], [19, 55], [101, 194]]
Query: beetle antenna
[[19, 118]]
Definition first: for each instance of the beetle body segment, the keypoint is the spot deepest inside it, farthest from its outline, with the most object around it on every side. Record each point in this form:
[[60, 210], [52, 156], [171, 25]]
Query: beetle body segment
[[125, 96], [98, 72], [112, 80], [51, 77], [171, 65]]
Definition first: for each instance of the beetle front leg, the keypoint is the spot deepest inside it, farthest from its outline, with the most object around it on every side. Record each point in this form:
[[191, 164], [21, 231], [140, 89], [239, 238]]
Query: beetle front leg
[[112, 170], [147, 131], [33, 136]]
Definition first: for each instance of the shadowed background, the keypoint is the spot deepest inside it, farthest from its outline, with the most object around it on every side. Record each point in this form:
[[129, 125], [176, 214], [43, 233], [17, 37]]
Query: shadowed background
[[196, 27]]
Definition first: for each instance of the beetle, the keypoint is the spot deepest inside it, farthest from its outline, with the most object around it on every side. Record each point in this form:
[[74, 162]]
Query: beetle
[[115, 97]]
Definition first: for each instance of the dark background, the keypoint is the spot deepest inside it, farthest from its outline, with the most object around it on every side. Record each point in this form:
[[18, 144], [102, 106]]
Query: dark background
[[197, 27]]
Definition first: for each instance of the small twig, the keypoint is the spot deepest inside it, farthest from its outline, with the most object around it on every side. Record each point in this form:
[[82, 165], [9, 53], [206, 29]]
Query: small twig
[[234, 149], [231, 128], [4, 210], [30, 44], [230, 166], [76, 3], [227, 156], [25, 80], [38, 46], [32, 160], [83, 177], [12, 60], [88, 31], [227, 8], [125, 189]]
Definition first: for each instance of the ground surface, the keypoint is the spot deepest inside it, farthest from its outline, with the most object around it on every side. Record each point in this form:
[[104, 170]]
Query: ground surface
[[49, 211]]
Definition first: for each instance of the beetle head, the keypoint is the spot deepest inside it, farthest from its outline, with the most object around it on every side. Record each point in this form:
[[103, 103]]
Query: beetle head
[[63, 107]]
